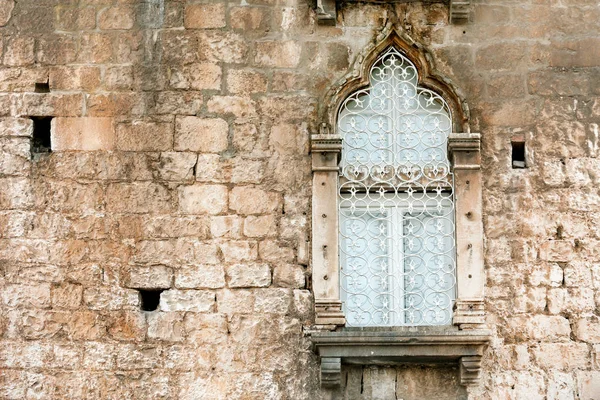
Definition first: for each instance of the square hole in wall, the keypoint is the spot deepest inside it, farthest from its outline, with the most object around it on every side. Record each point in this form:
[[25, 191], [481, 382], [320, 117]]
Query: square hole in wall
[[42, 87], [40, 140], [518, 154], [150, 299]]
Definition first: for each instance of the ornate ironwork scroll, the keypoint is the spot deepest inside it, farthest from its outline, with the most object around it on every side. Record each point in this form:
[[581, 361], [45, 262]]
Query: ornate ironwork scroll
[[396, 206]]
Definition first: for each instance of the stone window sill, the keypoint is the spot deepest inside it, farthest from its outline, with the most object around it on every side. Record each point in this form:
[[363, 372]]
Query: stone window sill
[[401, 345]]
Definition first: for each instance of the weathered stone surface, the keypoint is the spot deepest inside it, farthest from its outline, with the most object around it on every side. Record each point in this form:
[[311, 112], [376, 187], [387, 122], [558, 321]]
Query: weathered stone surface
[[145, 136], [249, 200], [201, 134], [86, 134], [187, 300], [248, 275], [154, 277], [203, 199], [180, 162], [200, 277]]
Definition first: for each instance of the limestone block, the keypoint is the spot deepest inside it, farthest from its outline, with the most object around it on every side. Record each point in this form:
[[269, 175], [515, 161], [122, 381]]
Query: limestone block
[[178, 102], [201, 134], [128, 326], [74, 78], [578, 274], [303, 303], [206, 329], [116, 104], [202, 276], [19, 51], [249, 200], [176, 166], [119, 78], [246, 82], [145, 136], [222, 46], [248, 275], [538, 327], [85, 325], [277, 301], [212, 386], [289, 275], [99, 356], [120, 17], [289, 139], [166, 226], [560, 386], [110, 298], [575, 300], [562, 356], [247, 171], [152, 277], [588, 384], [242, 107], [238, 250], [138, 356], [248, 19], [183, 250], [260, 226], [203, 199], [211, 168], [228, 226], [36, 296], [86, 133], [166, 326], [205, 16], [235, 301], [67, 295], [271, 250], [278, 54], [587, 329], [187, 300], [557, 250], [138, 197], [16, 127], [198, 76]]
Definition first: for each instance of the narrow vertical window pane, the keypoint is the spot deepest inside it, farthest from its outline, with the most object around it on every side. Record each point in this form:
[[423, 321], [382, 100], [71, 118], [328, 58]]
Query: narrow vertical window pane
[[396, 205]]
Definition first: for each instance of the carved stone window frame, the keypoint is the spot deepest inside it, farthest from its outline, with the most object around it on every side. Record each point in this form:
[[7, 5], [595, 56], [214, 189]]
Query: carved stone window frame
[[465, 340]]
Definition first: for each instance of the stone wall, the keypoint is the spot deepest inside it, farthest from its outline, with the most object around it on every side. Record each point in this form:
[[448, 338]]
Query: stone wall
[[180, 164]]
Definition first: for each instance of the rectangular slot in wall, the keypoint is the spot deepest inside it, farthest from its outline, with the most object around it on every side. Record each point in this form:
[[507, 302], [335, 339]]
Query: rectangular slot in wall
[[41, 138], [518, 154], [42, 87]]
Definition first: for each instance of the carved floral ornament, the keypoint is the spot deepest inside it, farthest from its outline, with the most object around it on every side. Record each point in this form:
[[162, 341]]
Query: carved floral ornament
[[385, 332]]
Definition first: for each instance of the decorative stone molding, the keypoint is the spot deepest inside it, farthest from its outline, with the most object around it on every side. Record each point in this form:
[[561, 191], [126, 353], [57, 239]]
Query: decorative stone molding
[[464, 153], [326, 12], [377, 346], [358, 77], [459, 11], [325, 150]]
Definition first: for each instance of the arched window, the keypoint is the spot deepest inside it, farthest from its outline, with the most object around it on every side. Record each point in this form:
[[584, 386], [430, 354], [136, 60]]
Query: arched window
[[396, 206], [397, 232]]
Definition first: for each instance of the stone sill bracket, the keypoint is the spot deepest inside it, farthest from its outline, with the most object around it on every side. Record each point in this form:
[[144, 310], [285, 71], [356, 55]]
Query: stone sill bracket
[[459, 11], [400, 346]]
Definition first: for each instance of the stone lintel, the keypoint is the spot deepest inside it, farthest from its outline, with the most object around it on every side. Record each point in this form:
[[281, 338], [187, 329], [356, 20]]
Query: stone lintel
[[401, 345]]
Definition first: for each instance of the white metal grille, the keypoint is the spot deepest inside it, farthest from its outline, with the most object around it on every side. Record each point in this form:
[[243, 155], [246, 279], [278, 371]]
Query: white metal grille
[[396, 204]]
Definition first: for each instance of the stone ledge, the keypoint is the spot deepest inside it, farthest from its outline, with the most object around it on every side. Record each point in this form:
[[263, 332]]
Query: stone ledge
[[400, 345]]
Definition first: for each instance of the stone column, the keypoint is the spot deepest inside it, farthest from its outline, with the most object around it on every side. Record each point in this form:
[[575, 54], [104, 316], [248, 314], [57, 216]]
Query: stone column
[[465, 155], [326, 150]]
